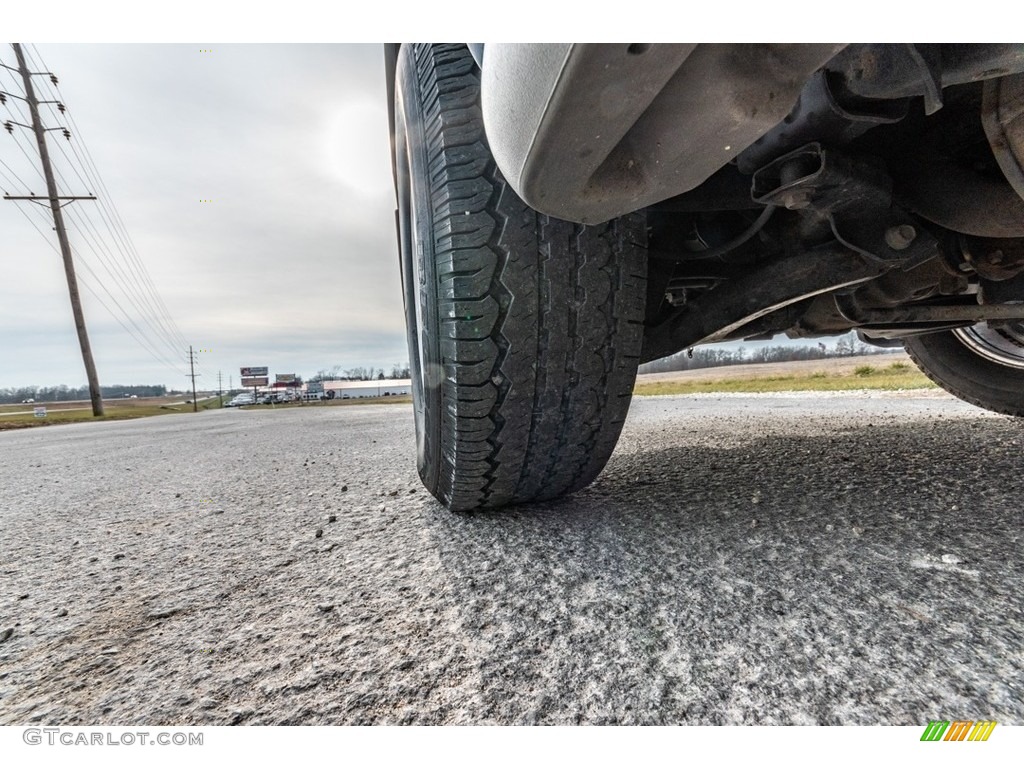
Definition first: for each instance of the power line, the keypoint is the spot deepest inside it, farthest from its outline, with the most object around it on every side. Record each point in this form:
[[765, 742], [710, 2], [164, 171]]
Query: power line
[[108, 208], [134, 265], [150, 342], [22, 183], [114, 222], [36, 226], [12, 103], [151, 300], [83, 223], [83, 226], [141, 341], [142, 296], [71, 165], [58, 219], [138, 270], [28, 157], [132, 261], [140, 337]]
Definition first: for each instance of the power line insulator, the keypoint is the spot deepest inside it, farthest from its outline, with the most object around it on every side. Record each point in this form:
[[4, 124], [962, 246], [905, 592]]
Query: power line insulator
[[67, 134], [53, 79], [3, 98], [61, 108], [8, 127]]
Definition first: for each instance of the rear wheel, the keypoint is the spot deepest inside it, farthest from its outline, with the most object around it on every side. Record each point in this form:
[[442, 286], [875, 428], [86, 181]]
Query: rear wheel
[[524, 330], [983, 364]]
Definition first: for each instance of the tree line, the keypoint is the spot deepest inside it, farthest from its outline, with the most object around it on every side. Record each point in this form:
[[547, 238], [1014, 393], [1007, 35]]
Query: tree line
[[708, 357], [63, 392], [336, 373]]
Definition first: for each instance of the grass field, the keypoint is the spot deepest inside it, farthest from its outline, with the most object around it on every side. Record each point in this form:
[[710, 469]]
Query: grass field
[[21, 415], [883, 376], [862, 373]]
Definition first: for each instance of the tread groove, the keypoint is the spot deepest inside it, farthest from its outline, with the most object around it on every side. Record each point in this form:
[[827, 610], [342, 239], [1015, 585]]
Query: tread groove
[[539, 321]]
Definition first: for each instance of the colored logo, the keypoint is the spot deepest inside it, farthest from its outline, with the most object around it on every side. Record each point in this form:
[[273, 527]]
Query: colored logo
[[958, 730]]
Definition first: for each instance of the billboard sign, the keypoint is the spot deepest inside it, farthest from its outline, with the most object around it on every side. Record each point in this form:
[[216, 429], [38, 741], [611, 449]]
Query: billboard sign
[[255, 381], [39, 411], [284, 378], [259, 371]]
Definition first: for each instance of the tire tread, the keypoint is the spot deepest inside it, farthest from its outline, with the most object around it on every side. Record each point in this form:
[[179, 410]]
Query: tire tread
[[949, 363], [540, 319]]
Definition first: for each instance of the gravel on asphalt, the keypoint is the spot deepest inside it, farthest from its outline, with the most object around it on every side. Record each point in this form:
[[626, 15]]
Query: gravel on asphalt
[[742, 560]]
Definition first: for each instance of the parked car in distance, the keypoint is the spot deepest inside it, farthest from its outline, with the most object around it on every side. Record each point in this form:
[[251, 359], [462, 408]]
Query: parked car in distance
[[237, 400], [29, 400]]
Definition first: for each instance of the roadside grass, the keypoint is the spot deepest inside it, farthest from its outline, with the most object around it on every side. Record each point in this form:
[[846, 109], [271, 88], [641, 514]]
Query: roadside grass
[[892, 377], [113, 411]]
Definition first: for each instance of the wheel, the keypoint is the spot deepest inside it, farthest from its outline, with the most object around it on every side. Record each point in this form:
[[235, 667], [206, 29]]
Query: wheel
[[524, 331], [982, 364]]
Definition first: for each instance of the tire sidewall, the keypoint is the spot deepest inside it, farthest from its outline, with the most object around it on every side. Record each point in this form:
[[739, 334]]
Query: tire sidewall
[[418, 267], [963, 372]]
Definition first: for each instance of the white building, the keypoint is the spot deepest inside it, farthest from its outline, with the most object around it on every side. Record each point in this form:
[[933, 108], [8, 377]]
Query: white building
[[376, 388]]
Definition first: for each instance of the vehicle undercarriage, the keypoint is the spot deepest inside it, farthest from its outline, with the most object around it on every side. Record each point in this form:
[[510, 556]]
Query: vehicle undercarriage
[[567, 212]]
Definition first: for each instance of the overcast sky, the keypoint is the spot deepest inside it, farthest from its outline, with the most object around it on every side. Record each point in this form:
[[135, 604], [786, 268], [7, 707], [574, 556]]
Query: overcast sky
[[292, 265]]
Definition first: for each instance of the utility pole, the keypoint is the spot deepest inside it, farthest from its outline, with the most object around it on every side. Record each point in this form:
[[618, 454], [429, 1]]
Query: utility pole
[[220, 391], [62, 236], [192, 367]]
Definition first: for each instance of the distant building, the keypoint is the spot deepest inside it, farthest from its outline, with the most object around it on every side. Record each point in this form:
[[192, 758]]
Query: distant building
[[356, 389]]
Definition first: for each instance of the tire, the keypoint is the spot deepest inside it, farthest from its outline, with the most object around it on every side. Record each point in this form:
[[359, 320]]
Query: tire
[[981, 365], [524, 331]]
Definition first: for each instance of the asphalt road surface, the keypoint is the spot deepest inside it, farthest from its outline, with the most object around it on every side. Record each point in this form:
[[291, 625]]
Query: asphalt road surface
[[839, 559]]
